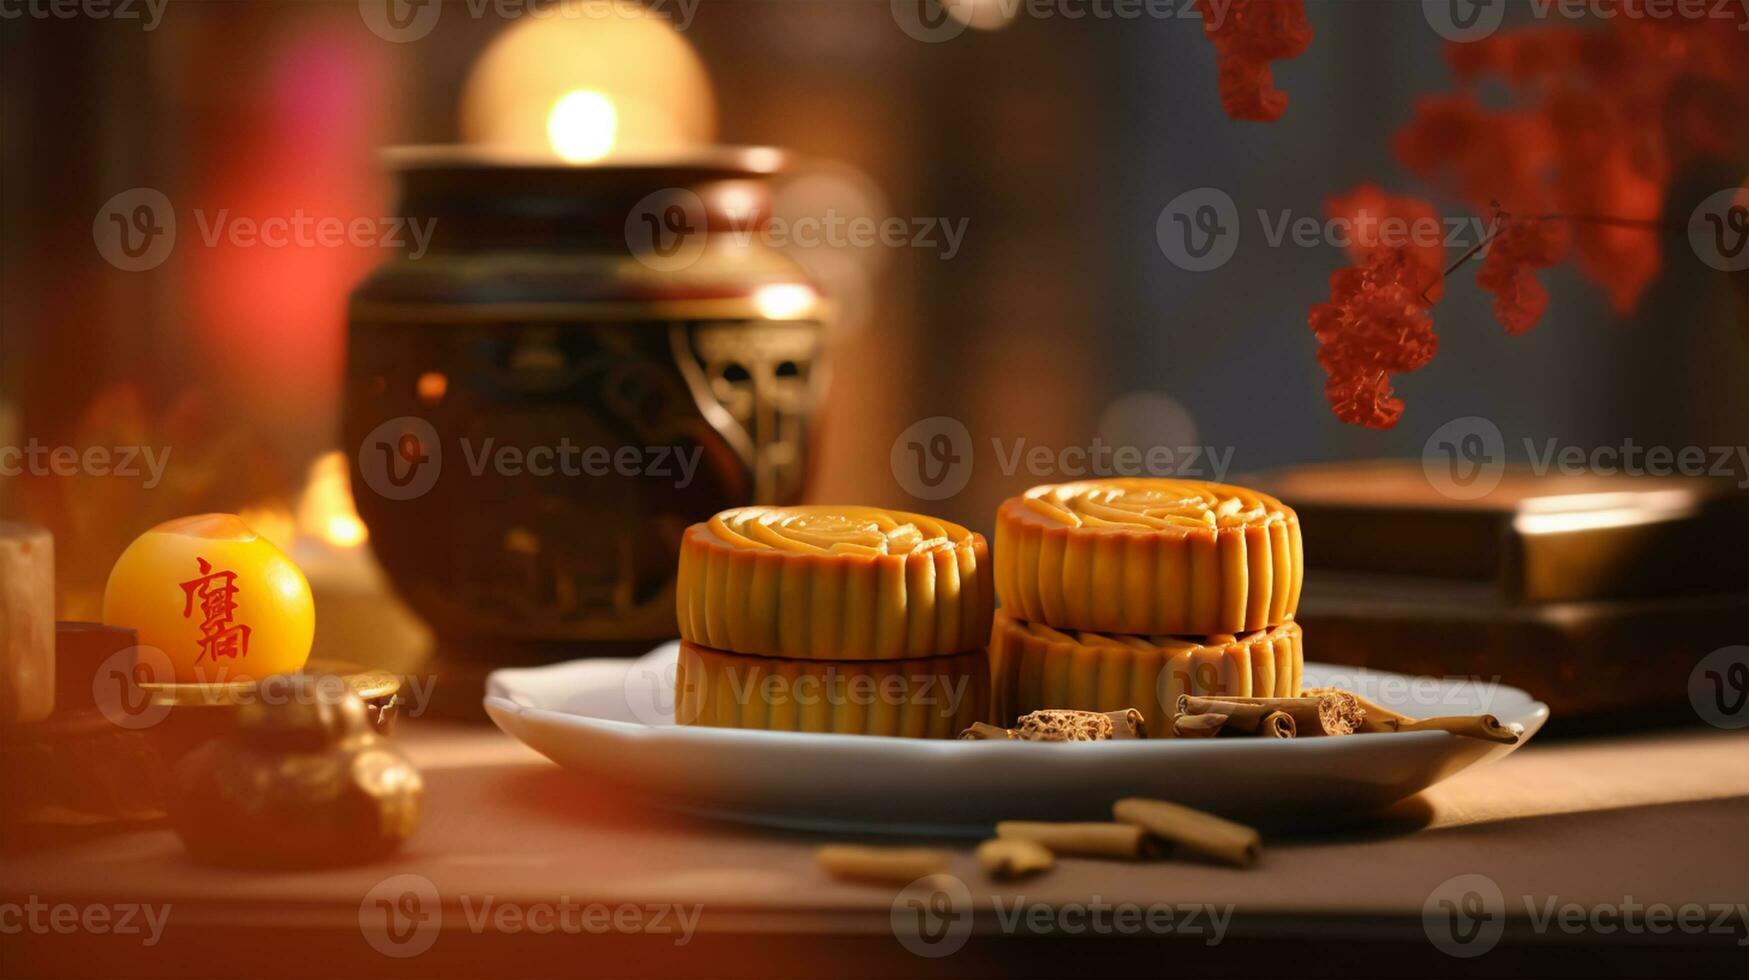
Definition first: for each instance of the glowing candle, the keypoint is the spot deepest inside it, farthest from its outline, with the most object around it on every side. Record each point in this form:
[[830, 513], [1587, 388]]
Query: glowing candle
[[219, 600]]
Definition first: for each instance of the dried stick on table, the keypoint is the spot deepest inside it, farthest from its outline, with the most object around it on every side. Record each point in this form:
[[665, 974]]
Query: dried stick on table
[[900, 865], [1112, 840], [1013, 857], [1195, 831]]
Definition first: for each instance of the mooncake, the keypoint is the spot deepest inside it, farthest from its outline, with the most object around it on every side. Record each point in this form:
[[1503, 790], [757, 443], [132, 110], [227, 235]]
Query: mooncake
[[930, 697], [1034, 667], [1149, 556], [833, 583]]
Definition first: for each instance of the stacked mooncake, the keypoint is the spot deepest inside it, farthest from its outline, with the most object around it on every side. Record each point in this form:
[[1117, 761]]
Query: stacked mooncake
[[1130, 592], [833, 619]]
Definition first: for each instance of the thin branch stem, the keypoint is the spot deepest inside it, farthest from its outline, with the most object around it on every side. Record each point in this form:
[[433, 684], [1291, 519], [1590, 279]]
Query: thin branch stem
[[1501, 217], [1606, 220]]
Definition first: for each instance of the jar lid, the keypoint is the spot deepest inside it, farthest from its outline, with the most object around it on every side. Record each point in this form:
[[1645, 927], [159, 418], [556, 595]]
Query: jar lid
[[715, 162]]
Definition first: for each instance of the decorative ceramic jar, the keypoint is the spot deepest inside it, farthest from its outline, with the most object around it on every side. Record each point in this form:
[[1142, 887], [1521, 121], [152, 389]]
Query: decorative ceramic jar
[[580, 362]]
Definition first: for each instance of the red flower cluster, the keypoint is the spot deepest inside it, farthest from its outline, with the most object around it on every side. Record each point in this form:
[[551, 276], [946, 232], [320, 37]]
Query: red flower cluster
[[1248, 35], [1520, 247], [1603, 116], [1379, 221], [1377, 322], [1599, 118]]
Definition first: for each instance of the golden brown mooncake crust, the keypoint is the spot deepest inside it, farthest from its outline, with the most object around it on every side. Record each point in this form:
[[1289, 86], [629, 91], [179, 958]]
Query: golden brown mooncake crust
[[1034, 667], [834, 583], [1149, 556], [929, 697]]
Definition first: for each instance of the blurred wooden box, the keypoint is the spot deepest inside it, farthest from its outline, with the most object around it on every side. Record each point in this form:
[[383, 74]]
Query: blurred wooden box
[[1597, 594], [1536, 538], [1590, 657]]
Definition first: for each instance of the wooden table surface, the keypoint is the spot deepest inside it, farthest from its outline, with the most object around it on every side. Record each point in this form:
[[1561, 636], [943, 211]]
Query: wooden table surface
[[510, 843]]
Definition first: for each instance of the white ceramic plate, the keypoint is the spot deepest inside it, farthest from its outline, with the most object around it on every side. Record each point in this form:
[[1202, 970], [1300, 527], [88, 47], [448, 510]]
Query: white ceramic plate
[[611, 721]]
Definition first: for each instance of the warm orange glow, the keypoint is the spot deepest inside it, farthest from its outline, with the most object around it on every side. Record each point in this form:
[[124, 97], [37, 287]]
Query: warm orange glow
[[432, 386], [582, 126], [587, 87], [983, 15], [326, 510], [783, 301], [738, 199], [345, 531]]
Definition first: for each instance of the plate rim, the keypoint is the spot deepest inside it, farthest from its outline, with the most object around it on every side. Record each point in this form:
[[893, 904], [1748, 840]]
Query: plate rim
[[1531, 712]]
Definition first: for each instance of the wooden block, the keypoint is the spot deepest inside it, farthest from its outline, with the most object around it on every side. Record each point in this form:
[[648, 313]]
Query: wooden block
[[1533, 538], [27, 623], [1593, 659]]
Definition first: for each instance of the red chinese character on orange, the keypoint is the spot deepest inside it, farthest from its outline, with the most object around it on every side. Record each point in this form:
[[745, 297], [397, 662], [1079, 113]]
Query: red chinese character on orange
[[217, 592]]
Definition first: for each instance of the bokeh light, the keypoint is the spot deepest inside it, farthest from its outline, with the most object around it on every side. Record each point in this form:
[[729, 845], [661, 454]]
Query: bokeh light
[[584, 88], [582, 126]]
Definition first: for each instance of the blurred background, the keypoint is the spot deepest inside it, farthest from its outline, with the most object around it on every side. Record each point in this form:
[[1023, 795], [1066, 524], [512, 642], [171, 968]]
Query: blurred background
[[1058, 318]]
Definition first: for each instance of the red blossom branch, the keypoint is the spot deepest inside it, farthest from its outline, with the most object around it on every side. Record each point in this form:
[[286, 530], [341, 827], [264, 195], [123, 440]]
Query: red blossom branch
[[1599, 120]]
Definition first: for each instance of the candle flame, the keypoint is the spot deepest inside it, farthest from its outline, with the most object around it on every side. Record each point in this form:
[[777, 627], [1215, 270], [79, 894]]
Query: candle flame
[[583, 126], [326, 510], [783, 301]]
